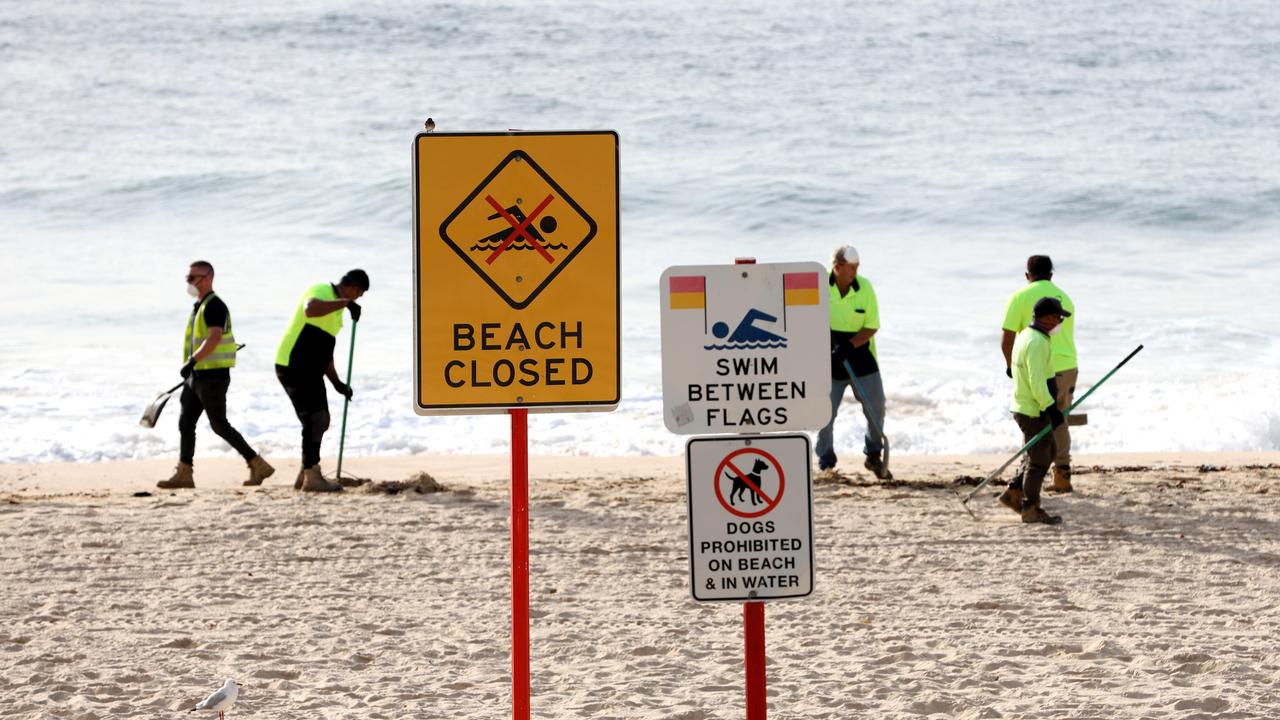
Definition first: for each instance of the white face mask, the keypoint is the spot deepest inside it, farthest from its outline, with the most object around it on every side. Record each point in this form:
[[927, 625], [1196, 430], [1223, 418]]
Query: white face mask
[[193, 291], [1056, 329]]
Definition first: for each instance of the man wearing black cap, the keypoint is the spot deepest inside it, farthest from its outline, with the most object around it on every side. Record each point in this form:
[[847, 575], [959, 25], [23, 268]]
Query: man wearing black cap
[[1035, 408], [305, 359]]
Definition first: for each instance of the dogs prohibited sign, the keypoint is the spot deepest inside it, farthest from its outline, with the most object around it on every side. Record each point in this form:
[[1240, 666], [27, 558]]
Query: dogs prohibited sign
[[750, 517], [744, 348], [516, 272], [749, 485]]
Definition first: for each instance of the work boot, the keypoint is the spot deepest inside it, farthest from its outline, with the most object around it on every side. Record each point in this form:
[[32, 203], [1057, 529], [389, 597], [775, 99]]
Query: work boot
[[827, 462], [297, 484], [1033, 514], [183, 477], [313, 481], [1012, 499], [259, 470], [877, 468], [1061, 479]]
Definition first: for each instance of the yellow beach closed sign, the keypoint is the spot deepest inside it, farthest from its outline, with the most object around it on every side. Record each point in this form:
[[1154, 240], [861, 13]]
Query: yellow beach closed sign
[[516, 272]]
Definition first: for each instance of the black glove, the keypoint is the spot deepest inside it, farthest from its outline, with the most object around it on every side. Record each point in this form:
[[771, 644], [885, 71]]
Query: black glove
[[1055, 415], [355, 311], [1008, 371], [185, 372], [343, 389]]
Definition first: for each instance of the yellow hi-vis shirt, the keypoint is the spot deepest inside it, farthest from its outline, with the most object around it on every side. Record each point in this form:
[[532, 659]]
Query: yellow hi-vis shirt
[[331, 323], [1018, 315], [856, 311], [1032, 369]]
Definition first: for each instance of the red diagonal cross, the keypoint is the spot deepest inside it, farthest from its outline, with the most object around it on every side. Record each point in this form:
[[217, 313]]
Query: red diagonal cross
[[520, 228], [743, 477]]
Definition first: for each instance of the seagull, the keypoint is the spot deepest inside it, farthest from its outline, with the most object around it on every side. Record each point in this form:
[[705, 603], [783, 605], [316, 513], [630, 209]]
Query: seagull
[[221, 700], [430, 124]]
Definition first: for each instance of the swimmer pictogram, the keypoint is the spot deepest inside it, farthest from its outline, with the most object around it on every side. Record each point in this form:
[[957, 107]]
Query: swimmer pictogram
[[747, 335], [518, 229]]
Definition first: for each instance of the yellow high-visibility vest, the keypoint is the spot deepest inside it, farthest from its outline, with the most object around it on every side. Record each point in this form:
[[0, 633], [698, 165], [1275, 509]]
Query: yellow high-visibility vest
[[224, 356]]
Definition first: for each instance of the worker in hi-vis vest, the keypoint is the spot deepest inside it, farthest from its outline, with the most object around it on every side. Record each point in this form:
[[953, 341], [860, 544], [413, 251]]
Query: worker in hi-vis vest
[[305, 359], [855, 318], [1035, 408], [209, 353], [1017, 316]]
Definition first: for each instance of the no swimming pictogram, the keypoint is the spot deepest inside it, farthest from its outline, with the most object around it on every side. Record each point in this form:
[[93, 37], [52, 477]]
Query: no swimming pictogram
[[518, 229], [754, 479]]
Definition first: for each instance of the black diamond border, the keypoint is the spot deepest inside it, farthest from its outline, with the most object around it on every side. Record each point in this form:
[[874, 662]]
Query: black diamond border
[[512, 157]]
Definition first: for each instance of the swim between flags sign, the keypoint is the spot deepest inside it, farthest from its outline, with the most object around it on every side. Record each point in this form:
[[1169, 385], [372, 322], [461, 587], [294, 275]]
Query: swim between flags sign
[[744, 348]]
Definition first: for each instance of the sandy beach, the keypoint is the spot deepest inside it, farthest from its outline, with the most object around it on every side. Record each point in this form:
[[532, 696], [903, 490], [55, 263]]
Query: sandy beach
[[1155, 599]]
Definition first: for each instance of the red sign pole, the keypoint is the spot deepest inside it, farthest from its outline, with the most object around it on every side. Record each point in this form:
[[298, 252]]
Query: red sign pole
[[753, 633], [520, 565]]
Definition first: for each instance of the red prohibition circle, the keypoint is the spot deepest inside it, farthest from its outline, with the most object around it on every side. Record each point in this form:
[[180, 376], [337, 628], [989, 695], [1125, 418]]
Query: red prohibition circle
[[727, 462]]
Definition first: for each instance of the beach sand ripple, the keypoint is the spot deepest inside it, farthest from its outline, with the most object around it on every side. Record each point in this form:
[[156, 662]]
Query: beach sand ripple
[[1156, 598]]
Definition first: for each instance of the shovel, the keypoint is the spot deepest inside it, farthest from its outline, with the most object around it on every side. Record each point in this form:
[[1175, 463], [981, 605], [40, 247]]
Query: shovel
[[152, 413], [875, 421]]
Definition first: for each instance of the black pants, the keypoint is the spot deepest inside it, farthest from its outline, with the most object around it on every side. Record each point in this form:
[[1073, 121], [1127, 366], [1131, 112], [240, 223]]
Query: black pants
[[207, 395], [307, 393], [1036, 462]]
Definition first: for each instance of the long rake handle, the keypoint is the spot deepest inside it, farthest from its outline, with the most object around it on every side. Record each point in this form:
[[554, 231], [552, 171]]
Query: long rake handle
[[1040, 435], [346, 401], [866, 400]]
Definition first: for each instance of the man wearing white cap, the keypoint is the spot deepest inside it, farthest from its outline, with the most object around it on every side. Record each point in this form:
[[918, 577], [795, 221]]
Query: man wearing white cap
[[855, 318]]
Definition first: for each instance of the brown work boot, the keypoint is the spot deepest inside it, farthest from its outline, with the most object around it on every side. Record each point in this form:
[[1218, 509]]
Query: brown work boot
[[1012, 499], [259, 470], [297, 484], [877, 468], [313, 481], [1061, 479], [183, 477], [1033, 514]]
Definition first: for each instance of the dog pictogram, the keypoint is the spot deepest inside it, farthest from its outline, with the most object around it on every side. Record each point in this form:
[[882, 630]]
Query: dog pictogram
[[762, 487]]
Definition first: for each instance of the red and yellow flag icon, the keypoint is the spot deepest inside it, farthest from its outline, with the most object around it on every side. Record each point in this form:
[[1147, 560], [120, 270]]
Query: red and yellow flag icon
[[688, 292], [800, 288]]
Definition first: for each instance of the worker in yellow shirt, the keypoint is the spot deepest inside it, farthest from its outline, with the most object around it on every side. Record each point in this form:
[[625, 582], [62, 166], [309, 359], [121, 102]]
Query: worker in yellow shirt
[[209, 349], [305, 359], [1017, 316], [855, 319], [1035, 408]]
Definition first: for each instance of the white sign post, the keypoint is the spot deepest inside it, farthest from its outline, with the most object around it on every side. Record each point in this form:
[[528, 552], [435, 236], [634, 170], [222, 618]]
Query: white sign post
[[750, 517], [744, 348]]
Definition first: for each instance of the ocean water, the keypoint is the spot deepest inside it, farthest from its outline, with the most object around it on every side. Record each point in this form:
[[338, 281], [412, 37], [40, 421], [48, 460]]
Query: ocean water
[[1134, 142]]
